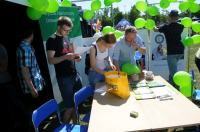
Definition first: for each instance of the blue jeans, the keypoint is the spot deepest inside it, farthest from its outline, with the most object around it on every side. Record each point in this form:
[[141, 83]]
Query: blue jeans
[[68, 86], [172, 61], [94, 78]]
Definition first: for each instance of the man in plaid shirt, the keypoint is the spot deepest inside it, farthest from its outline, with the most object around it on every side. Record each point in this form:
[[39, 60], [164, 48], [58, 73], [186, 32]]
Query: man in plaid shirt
[[30, 78]]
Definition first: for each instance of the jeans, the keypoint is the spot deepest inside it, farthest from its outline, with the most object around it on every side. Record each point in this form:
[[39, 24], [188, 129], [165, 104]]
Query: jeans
[[68, 86], [94, 78], [172, 61]]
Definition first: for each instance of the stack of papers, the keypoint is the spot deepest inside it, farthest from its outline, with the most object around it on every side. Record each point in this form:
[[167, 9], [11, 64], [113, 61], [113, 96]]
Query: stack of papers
[[162, 91], [144, 93], [150, 84]]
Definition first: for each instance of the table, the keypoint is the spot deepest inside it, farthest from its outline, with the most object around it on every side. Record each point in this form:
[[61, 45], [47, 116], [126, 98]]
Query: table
[[111, 114]]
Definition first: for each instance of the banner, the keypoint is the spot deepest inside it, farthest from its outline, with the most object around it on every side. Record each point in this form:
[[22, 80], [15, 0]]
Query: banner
[[48, 23]]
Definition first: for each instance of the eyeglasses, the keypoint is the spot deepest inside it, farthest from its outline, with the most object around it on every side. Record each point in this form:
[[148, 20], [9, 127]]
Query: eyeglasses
[[66, 30]]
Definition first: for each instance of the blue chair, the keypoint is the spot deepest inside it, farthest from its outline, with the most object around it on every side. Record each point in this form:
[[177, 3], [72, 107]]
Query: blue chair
[[81, 96], [46, 110]]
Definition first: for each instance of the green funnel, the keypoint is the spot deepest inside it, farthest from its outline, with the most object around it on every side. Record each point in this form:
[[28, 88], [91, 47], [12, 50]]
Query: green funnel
[[130, 69]]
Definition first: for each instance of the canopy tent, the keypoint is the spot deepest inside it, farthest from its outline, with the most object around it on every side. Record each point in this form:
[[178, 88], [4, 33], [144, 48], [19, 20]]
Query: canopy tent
[[123, 23]]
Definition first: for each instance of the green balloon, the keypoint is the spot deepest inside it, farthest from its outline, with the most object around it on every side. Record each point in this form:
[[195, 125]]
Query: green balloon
[[187, 41], [117, 1], [40, 5], [139, 23], [66, 3], [164, 4], [186, 21], [95, 5], [172, 1], [88, 14], [141, 6], [118, 33], [183, 6], [152, 11], [196, 39], [53, 6], [107, 29], [187, 90], [184, 81], [33, 14], [191, 1], [182, 78], [130, 69], [150, 24], [196, 27], [108, 2], [194, 7]]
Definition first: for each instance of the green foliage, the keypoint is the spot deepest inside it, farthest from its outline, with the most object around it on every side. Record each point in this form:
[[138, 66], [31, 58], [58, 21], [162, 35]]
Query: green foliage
[[160, 18], [117, 15], [106, 21], [133, 14]]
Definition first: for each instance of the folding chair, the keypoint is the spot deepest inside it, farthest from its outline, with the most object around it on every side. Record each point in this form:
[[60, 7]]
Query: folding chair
[[81, 96], [46, 110]]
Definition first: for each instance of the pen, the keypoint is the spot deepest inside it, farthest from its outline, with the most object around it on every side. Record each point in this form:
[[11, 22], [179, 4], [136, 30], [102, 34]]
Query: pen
[[163, 99]]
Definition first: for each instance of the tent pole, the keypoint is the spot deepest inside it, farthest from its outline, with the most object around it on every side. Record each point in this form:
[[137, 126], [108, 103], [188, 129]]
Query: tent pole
[[112, 16]]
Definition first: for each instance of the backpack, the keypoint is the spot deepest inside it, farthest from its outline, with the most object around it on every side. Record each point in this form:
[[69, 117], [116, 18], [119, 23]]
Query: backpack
[[87, 60]]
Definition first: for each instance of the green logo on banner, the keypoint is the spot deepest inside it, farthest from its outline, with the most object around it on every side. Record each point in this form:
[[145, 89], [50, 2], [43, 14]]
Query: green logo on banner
[[48, 23]]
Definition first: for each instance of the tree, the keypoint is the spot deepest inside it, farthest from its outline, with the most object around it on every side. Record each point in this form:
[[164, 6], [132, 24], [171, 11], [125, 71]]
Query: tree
[[117, 15], [159, 19], [106, 21], [133, 14]]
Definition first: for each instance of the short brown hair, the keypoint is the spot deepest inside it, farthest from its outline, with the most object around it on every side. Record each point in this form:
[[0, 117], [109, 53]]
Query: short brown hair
[[130, 29], [63, 20], [109, 38]]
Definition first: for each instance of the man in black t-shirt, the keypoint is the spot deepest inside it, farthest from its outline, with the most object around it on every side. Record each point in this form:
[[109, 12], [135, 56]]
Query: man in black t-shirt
[[61, 53], [175, 49]]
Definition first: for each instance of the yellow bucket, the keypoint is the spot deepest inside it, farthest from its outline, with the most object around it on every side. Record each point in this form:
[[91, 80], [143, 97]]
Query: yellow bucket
[[117, 83]]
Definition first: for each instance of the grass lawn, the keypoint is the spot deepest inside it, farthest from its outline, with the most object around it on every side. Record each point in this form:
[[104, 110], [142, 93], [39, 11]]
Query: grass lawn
[[192, 64]]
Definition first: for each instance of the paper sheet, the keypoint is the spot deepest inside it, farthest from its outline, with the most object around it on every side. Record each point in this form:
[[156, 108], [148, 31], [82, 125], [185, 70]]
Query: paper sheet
[[162, 91]]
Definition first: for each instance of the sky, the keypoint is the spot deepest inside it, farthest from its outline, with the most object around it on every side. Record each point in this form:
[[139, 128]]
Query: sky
[[125, 5]]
